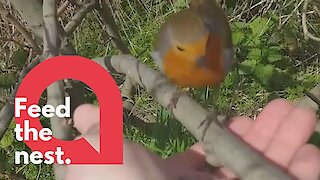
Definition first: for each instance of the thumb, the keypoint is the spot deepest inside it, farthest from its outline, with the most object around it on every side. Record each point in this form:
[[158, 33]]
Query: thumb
[[86, 117]]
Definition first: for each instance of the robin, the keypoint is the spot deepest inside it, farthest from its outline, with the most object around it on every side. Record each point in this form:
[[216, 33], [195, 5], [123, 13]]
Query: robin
[[194, 47]]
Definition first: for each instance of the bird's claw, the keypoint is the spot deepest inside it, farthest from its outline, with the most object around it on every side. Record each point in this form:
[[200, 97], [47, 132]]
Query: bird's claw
[[174, 100], [221, 120]]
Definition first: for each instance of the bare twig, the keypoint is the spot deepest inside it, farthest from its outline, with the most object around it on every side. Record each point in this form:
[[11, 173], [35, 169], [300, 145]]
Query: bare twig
[[111, 27], [12, 40], [291, 14], [62, 7], [78, 17], [306, 60], [245, 10], [77, 2], [316, 9], [218, 142], [7, 15], [306, 32]]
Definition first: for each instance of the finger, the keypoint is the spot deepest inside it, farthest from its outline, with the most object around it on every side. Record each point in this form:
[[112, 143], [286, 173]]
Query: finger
[[198, 147], [85, 117], [193, 158], [240, 125], [294, 132], [138, 163], [188, 174], [261, 132], [306, 163]]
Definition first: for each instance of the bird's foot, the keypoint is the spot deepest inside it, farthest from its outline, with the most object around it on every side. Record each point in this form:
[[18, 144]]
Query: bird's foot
[[221, 121], [174, 99]]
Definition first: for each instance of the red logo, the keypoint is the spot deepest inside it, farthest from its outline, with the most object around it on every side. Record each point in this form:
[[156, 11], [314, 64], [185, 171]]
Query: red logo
[[109, 98]]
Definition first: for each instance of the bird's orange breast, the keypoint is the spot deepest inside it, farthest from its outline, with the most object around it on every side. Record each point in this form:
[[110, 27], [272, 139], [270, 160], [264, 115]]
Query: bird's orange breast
[[187, 73]]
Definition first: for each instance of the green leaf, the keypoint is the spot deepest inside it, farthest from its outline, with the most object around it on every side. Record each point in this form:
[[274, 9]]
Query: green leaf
[[20, 57], [258, 26], [274, 54], [7, 80], [237, 37], [264, 73], [7, 139], [247, 67], [239, 25], [255, 53], [239, 31]]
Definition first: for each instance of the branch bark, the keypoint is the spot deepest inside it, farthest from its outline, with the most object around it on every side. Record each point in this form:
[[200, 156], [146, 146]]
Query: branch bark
[[306, 32], [62, 7], [308, 102], [55, 92], [219, 142], [7, 15], [78, 17]]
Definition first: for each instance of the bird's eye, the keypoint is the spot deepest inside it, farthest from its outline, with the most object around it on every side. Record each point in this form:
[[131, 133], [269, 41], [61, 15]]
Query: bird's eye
[[180, 48]]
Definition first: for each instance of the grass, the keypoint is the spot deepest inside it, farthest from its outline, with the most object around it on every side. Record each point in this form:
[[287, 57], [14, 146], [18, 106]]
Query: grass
[[139, 26], [275, 61], [286, 79]]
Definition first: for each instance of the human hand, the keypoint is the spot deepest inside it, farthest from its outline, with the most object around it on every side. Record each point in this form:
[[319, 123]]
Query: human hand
[[139, 164], [280, 132]]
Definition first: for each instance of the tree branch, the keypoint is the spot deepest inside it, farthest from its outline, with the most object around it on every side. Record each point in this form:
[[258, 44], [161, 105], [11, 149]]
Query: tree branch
[[7, 15], [12, 40], [311, 100], [55, 92], [219, 142], [306, 101], [78, 17], [62, 7], [51, 48], [306, 32]]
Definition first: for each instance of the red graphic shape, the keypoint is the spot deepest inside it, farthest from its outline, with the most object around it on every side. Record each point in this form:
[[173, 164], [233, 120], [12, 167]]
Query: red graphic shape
[[110, 102]]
